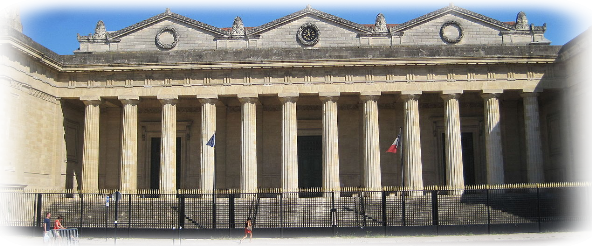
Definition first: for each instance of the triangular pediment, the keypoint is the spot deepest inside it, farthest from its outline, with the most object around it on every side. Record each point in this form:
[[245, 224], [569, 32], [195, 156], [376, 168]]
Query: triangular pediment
[[475, 17], [166, 16], [308, 11]]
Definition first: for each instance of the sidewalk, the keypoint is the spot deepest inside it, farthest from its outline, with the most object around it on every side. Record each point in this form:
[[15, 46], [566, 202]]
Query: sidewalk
[[539, 239]]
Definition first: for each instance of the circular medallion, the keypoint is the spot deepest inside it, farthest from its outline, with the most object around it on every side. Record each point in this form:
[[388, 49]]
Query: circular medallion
[[308, 34], [167, 38], [451, 32]]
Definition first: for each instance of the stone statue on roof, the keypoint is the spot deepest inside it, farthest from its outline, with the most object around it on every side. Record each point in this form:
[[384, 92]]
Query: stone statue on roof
[[521, 21], [238, 28], [380, 25], [10, 11], [100, 31]]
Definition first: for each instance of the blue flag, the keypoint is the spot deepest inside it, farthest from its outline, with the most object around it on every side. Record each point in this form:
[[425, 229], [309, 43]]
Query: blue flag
[[212, 141]]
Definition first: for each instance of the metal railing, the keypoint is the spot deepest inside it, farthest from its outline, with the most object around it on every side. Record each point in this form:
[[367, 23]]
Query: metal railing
[[191, 209]]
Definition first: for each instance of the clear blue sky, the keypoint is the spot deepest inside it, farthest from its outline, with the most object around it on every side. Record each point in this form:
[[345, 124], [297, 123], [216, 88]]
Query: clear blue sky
[[56, 24]]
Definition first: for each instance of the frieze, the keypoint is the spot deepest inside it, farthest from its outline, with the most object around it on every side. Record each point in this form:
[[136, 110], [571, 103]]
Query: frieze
[[24, 87]]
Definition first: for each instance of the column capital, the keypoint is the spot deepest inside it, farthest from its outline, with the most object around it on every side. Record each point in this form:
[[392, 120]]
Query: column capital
[[369, 95], [208, 100], [450, 96], [529, 94], [91, 100], [129, 99], [248, 98], [407, 97], [288, 97], [329, 96], [168, 99], [490, 95]]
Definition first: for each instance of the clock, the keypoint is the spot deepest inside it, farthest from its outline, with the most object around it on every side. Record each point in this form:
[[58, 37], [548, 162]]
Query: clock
[[308, 34]]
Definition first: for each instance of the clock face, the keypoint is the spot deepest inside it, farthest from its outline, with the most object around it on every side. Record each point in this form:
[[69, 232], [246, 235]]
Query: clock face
[[308, 34]]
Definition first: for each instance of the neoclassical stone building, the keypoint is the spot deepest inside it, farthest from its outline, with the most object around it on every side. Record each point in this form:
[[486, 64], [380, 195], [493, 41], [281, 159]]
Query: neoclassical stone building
[[307, 100]]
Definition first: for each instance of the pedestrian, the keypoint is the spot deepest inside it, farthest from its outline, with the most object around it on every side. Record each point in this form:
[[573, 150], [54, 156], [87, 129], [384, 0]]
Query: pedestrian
[[57, 224], [248, 230], [46, 227]]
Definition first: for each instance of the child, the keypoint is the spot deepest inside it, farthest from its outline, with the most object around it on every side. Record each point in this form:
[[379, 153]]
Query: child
[[248, 230]]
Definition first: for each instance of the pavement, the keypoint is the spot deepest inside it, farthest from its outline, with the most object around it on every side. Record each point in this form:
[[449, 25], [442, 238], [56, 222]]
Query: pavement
[[539, 239]]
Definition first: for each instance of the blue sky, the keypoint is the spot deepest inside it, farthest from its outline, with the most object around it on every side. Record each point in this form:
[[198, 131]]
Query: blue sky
[[55, 24]]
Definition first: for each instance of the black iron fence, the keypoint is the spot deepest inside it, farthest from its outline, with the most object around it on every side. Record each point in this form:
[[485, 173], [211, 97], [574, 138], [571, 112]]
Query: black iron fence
[[191, 209]]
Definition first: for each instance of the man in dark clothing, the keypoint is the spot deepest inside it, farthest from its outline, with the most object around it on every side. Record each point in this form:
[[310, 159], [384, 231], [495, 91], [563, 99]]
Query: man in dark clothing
[[46, 227]]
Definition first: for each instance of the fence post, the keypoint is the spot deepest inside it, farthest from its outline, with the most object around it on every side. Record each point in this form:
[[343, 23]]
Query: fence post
[[213, 209], [281, 195], [538, 207], [403, 197], [231, 223], [181, 214], [333, 213], [435, 208], [488, 211], [384, 224], [38, 210]]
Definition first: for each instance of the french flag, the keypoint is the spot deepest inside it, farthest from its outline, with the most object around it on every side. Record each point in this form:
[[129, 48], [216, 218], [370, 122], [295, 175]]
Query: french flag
[[396, 144]]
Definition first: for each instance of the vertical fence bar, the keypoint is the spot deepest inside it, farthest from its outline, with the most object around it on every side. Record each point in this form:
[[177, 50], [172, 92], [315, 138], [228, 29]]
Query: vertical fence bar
[[383, 203], [231, 219], [538, 207], [403, 215], [213, 209], [435, 208], [488, 211], [38, 210], [181, 212], [281, 195]]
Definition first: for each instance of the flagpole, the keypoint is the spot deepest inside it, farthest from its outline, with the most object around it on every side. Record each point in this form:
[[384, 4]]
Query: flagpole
[[402, 163]]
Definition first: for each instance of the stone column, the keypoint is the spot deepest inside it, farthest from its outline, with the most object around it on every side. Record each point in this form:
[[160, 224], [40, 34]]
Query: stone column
[[372, 174], [207, 155], [330, 142], [411, 143], [90, 151], [534, 153], [168, 146], [248, 179], [454, 163], [289, 142], [129, 144], [493, 139]]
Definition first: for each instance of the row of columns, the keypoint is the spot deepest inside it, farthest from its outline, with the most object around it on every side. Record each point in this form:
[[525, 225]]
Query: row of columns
[[289, 170]]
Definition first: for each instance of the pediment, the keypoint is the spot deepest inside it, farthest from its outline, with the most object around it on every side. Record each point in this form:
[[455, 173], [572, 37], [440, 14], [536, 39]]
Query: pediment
[[452, 10], [310, 12]]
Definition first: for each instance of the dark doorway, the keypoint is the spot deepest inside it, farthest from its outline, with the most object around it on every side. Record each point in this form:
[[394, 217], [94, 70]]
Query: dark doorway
[[310, 161], [155, 163], [468, 157]]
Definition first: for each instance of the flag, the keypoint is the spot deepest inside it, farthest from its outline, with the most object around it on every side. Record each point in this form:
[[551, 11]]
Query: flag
[[396, 144], [212, 141]]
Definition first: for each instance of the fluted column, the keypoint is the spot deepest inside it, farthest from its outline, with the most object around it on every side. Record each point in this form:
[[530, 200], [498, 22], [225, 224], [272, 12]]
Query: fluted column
[[90, 151], [248, 178], [208, 128], [454, 162], [129, 144], [168, 147], [330, 142], [372, 173], [289, 142], [411, 144], [534, 154], [493, 139]]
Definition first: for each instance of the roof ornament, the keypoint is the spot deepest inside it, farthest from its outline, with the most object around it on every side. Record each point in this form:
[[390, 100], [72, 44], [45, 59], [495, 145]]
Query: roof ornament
[[308, 7], [167, 11], [238, 28], [521, 21], [100, 31], [10, 11], [380, 25]]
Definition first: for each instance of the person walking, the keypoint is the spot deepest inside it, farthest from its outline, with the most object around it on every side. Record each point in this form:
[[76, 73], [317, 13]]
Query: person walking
[[248, 230], [46, 227]]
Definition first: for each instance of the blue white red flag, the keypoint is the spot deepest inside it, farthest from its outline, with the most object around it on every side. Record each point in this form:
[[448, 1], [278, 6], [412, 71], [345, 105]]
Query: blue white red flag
[[212, 141], [396, 145]]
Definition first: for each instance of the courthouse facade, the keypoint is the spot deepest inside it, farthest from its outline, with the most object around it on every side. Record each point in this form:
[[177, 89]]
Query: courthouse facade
[[307, 100]]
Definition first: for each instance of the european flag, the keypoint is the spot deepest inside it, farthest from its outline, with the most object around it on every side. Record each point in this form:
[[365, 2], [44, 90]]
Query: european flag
[[212, 141]]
